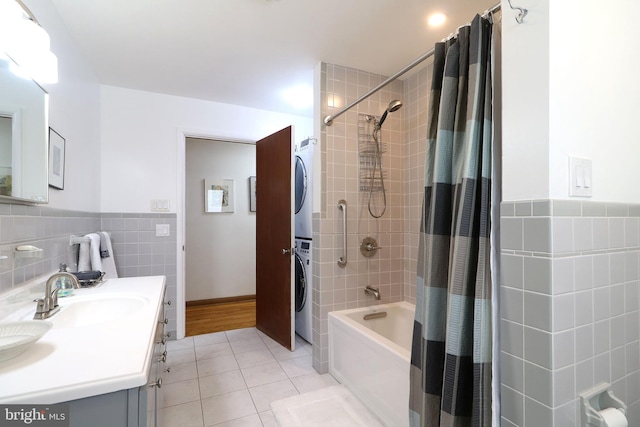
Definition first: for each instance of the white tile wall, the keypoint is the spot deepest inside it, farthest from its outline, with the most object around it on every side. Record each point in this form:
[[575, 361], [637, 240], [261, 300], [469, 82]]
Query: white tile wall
[[569, 308]]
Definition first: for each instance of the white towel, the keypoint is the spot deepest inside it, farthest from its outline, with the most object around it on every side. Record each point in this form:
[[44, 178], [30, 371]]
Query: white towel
[[109, 263], [94, 252], [84, 260]]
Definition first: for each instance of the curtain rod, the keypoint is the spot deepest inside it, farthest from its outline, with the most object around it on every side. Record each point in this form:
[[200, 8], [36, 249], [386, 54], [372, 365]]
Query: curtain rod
[[328, 120]]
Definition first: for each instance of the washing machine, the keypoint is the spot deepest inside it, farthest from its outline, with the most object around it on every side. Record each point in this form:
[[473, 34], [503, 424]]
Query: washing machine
[[304, 188], [303, 289]]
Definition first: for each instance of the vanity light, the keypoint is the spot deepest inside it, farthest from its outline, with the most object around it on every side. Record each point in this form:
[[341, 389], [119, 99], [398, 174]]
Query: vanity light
[[26, 42]]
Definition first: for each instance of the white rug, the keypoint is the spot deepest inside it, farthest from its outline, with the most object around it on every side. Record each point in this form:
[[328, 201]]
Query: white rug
[[333, 406]]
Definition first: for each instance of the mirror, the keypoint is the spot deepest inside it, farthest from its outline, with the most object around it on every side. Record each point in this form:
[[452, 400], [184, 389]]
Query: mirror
[[24, 132]]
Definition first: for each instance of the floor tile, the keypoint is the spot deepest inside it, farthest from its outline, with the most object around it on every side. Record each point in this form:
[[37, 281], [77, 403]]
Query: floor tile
[[185, 343], [208, 339], [254, 358], [176, 357], [298, 366], [313, 382], [249, 344], [263, 374], [225, 382], [250, 421], [265, 394], [227, 407], [268, 420], [217, 365], [281, 353], [184, 415], [213, 350], [180, 372], [180, 392], [269, 342], [242, 334]]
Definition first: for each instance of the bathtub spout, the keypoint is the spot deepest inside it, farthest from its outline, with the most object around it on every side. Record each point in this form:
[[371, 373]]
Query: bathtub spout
[[372, 291]]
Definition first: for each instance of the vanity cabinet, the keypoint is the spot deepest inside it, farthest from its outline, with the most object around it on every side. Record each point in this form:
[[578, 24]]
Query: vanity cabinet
[[158, 368]]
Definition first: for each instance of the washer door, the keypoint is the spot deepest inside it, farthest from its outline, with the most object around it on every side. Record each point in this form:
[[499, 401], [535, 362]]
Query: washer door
[[301, 284], [301, 183]]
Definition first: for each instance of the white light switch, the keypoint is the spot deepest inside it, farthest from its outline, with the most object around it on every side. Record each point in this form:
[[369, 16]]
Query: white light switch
[[162, 230], [580, 177], [159, 205]]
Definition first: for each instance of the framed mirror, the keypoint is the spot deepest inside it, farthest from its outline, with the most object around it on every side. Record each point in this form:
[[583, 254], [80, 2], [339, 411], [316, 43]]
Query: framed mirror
[[24, 130]]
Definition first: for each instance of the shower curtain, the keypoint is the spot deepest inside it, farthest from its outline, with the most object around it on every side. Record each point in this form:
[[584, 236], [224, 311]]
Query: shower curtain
[[450, 370]]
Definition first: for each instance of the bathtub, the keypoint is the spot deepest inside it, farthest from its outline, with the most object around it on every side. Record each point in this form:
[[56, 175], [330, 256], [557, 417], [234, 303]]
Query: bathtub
[[372, 357]]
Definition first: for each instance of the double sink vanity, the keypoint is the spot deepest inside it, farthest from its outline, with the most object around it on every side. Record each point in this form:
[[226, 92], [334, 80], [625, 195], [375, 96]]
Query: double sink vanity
[[103, 357]]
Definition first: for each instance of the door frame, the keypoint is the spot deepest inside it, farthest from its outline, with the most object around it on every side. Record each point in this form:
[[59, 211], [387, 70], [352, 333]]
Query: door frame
[[181, 226]]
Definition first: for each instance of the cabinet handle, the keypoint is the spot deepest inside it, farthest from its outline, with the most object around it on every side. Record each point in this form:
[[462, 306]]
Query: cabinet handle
[[167, 370], [158, 383], [168, 302], [165, 321], [163, 358]]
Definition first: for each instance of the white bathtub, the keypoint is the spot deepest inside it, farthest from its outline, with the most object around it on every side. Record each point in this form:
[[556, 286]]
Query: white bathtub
[[372, 357]]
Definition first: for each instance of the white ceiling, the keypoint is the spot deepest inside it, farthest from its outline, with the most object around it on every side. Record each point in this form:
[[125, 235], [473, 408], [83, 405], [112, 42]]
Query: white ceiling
[[247, 52]]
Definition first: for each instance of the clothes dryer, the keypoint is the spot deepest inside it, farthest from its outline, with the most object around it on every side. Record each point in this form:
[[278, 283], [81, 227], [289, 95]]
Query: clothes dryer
[[303, 291], [304, 188]]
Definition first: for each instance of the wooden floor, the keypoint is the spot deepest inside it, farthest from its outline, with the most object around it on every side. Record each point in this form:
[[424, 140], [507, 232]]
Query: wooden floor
[[205, 319]]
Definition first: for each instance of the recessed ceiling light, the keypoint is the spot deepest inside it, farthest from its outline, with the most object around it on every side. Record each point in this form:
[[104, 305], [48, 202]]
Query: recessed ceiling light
[[436, 19]]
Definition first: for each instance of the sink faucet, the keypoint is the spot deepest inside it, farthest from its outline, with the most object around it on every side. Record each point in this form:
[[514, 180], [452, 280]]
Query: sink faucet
[[372, 291], [48, 306]]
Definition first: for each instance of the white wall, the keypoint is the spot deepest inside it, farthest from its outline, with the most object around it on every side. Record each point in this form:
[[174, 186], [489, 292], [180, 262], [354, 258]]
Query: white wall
[[525, 104], [141, 141], [220, 247], [74, 112], [570, 89], [594, 92]]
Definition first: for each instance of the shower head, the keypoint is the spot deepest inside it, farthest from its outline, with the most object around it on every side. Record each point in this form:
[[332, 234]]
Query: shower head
[[393, 106]]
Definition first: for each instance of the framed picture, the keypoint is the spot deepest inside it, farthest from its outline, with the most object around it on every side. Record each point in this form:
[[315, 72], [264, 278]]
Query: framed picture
[[56, 160], [218, 195], [252, 194]]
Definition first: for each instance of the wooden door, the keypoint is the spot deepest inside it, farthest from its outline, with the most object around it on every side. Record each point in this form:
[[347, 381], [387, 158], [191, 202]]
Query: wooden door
[[274, 237]]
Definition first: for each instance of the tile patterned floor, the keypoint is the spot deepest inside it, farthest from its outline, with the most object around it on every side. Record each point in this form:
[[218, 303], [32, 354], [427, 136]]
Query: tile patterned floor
[[229, 378]]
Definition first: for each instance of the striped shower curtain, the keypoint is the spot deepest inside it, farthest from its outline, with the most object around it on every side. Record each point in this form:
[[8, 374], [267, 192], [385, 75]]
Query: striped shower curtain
[[451, 352]]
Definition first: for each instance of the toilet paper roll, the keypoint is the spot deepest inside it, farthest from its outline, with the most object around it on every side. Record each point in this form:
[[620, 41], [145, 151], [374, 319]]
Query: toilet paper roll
[[614, 418]]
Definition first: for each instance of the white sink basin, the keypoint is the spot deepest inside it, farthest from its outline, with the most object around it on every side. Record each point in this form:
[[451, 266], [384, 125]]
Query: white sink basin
[[90, 310]]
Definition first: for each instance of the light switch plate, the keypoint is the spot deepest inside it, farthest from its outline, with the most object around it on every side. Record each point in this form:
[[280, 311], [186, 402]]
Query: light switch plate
[[580, 177], [160, 205]]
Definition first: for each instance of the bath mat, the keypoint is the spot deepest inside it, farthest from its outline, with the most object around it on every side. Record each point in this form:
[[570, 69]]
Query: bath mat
[[333, 406]]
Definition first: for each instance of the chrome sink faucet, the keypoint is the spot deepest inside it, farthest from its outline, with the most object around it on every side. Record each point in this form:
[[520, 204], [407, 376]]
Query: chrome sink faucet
[[372, 291], [48, 306]]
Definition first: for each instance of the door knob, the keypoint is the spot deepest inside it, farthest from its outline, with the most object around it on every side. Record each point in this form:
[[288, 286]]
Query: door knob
[[287, 251]]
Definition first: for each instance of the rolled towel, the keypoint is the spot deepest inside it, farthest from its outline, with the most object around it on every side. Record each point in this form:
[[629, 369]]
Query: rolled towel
[[84, 259], [104, 249], [94, 252], [109, 264]]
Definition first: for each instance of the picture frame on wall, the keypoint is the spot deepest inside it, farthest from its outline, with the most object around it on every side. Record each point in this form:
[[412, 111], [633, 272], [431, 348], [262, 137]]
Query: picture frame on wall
[[57, 147], [252, 194], [218, 195]]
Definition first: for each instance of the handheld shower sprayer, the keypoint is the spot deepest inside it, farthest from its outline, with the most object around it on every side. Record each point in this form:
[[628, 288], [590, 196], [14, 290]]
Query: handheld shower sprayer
[[393, 106]]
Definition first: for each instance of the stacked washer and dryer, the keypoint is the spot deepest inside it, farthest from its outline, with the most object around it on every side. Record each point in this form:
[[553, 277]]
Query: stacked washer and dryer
[[303, 218]]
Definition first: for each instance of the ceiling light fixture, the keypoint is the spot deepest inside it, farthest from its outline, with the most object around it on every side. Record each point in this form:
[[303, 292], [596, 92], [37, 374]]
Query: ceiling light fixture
[[436, 19]]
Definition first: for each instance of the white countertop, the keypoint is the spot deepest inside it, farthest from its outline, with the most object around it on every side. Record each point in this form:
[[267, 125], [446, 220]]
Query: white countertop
[[78, 362]]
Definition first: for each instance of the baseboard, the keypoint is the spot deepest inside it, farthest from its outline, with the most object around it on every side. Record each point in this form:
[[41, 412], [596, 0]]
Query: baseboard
[[211, 301]]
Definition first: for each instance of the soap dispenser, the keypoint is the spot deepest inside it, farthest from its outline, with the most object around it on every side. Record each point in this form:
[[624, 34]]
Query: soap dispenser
[[64, 283]]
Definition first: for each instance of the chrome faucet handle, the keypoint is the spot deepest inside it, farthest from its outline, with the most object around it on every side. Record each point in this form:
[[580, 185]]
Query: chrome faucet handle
[[54, 298]]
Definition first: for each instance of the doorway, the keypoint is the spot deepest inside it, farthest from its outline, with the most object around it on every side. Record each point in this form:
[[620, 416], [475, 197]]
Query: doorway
[[220, 249]]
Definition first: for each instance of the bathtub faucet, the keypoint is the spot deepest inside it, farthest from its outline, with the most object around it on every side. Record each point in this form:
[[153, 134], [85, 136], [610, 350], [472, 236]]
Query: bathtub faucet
[[372, 291]]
